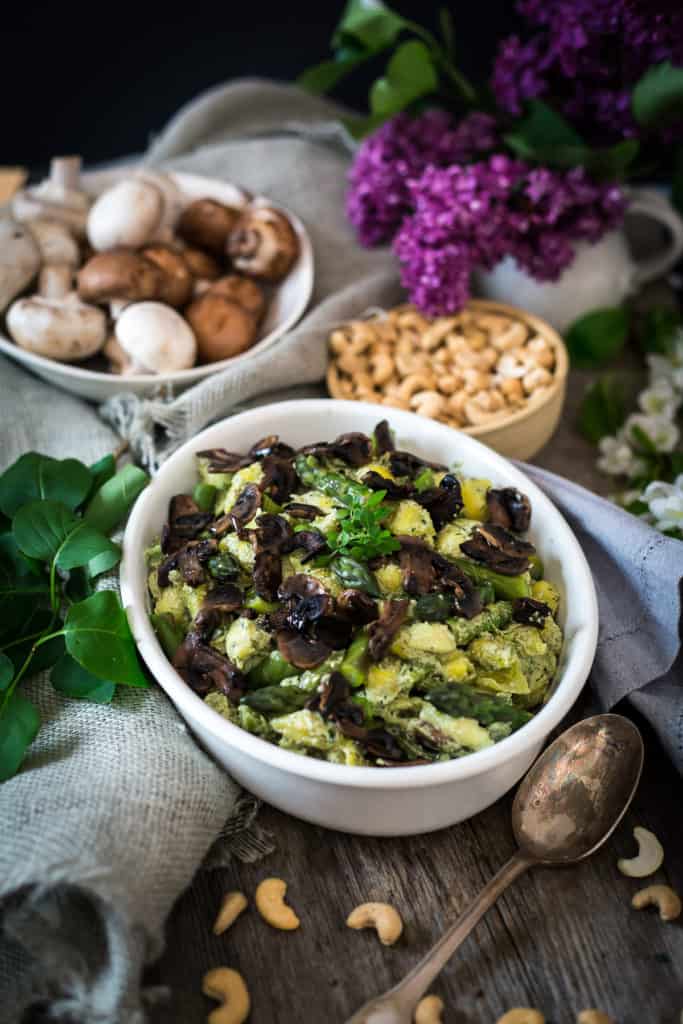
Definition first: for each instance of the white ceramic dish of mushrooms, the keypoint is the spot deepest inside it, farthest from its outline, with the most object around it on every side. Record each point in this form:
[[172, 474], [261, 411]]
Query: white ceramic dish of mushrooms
[[131, 278]]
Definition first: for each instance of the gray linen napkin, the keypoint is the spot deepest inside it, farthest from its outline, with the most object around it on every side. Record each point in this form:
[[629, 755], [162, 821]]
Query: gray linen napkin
[[113, 811]]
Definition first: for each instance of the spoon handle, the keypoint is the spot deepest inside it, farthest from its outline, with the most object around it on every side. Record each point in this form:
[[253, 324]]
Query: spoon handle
[[402, 998]]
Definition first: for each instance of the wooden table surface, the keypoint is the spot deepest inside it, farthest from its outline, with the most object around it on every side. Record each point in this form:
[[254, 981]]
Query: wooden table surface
[[560, 940]]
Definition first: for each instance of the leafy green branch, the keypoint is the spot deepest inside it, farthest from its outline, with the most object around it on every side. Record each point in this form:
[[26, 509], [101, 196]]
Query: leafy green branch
[[55, 517]]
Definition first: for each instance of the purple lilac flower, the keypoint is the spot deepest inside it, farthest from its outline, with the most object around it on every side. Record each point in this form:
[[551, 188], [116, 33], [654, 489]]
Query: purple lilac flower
[[587, 56], [401, 149], [469, 217]]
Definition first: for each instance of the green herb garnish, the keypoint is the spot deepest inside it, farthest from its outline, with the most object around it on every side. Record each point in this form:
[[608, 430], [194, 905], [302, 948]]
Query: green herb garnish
[[361, 533], [54, 520]]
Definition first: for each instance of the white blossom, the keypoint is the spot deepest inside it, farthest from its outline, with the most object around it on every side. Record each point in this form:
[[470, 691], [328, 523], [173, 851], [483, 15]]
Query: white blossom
[[618, 458], [660, 399], [665, 502], [662, 433]]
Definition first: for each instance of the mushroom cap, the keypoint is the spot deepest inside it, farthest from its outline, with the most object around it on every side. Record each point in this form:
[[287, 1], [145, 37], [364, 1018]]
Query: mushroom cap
[[126, 214], [222, 327], [155, 338], [119, 274], [263, 244], [201, 264], [174, 199], [65, 329], [176, 281], [52, 200], [243, 291], [55, 241], [19, 259], [206, 224]]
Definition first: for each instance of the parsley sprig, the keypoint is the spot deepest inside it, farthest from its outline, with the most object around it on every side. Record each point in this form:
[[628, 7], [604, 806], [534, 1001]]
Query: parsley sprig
[[361, 533]]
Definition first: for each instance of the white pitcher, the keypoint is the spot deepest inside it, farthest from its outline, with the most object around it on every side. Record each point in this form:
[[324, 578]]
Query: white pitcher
[[601, 274]]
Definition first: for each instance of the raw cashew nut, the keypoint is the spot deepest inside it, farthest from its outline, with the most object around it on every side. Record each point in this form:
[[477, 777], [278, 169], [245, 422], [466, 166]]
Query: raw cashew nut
[[384, 918], [232, 906], [382, 367], [522, 1015], [429, 1010], [270, 903], [662, 896], [593, 1017], [415, 382], [650, 855], [227, 986]]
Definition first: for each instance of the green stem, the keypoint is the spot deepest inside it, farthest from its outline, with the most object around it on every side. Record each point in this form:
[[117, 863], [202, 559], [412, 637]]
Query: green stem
[[23, 639], [465, 88], [54, 600], [27, 660]]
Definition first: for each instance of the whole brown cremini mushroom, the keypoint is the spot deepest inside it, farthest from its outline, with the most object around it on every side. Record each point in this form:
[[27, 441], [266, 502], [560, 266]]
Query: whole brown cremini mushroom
[[263, 244], [243, 291], [120, 275], [221, 326], [177, 282], [201, 265], [206, 224]]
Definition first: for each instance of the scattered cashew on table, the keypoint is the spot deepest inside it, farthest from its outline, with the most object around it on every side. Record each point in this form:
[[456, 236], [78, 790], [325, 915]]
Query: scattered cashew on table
[[384, 918], [429, 1010], [232, 906], [228, 987], [650, 855], [270, 903]]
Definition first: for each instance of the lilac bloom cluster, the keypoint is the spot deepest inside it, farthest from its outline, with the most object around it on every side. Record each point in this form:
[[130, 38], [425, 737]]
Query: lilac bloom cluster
[[469, 217], [379, 196], [588, 55]]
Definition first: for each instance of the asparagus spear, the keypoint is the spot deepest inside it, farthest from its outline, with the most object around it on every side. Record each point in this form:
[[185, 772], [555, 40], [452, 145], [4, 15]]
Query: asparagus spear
[[352, 667], [494, 616], [334, 485], [276, 700], [271, 671], [506, 587], [463, 702]]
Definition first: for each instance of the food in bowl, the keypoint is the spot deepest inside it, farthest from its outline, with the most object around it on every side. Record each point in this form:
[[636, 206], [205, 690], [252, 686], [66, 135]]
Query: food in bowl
[[469, 370], [145, 279], [355, 603]]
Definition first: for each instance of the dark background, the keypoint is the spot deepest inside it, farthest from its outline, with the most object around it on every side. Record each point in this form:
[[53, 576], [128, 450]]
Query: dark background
[[100, 80]]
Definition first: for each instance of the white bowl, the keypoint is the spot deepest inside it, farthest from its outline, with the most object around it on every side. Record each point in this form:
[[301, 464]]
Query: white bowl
[[372, 801], [286, 305]]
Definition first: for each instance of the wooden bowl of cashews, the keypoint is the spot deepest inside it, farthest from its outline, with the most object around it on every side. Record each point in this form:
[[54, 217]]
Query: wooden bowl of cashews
[[493, 371]]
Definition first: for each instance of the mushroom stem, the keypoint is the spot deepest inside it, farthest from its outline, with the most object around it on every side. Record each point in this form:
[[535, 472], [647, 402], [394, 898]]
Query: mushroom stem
[[65, 171], [54, 281]]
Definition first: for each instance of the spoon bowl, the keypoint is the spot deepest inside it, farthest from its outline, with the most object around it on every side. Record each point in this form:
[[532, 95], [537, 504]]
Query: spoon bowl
[[578, 790]]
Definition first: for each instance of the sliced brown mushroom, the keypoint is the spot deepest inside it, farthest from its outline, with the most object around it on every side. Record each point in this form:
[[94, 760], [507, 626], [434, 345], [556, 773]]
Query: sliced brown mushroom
[[189, 560], [353, 448], [176, 280], [279, 478], [271, 445], [328, 698], [306, 600], [530, 612], [263, 244], [312, 541], [416, 562], [407, 464], [300, 510], [301, 651], [500, 550], [384, 441], [204, 669], [245, 507], [509, 508], [272, 538], [220, 602], [467, 600], [118, 274], [333, 630], [394, 491], [384, 629], [357, 606], [243, 291], [206, 224], [443, 502], [381, 744], [185, 522], [222, 461]]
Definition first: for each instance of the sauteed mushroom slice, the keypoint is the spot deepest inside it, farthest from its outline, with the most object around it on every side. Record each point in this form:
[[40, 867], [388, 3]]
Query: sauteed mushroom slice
[[500, 550], [353, 448], [271, 445], [246, 507], [357, 606], [312, 541], [509, 508], [203, 668], [407, 464], [394, 492], [307, 601], [416, 562], [384, 441], [530, 612], [384, 629], [443, 502], [222, 461], [220, 602], [301, 651], [300, 510]]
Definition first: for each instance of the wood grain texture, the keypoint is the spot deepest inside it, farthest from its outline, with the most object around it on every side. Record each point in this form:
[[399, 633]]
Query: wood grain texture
[[560, 939]]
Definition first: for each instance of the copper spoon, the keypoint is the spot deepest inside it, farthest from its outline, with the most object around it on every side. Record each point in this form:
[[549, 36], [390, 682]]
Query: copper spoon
[[568, 804]]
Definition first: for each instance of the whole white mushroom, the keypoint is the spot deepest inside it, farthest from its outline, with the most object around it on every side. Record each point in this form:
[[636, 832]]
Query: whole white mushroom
[[152, 338], [19, 260], [55, 323], [59, 197], [134, 212]]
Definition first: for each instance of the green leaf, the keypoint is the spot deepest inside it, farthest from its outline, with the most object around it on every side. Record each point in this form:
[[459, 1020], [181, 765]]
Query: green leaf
[[323, 77], [541, 130], [49, 531], [374, 25], [98, 637], [598, 336], [110, 505], [658, 96], [410, 74], [72, 680], [79, 585], [677, 183], [101, 471], [20, 591], [603, 409], [35, 476], [656, 330], [6, 671], [19, 724], [48, 653]]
